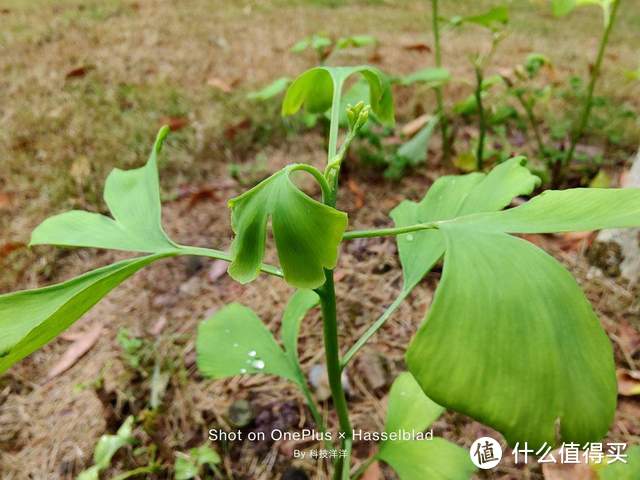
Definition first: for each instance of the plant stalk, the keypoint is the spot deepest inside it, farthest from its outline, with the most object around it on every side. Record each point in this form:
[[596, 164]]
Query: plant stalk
[[595, 73], [542, 151], [481, 117], [334, 371], [388, 232], [446, 146]]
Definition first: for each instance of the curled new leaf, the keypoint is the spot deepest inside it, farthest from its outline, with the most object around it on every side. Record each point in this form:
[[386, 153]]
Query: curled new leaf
[[315, 90], [306, 232]]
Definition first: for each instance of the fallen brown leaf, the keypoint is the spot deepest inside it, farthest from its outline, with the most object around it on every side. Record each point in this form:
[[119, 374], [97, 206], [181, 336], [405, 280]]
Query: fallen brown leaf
[[232, 130], [79, 71], [222, 85], [414, 126], [174, 123], [568, 471], [628, 382], [6, 199], [76, 350], [372, 473], [7, 248], [628, 337], [158, 327], [80, 170], [575, 241], [417, 47], [218, 270], [357, 192]]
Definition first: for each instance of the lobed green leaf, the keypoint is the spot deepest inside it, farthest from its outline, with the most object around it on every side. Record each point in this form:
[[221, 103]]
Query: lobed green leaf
[[314, 90], [448, 198], [133, 197]]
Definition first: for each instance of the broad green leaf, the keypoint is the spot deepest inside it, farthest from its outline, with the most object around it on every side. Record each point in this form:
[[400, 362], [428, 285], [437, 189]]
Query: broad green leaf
[[307, 233], [314, 90], [408, 407], [31, 318], [433, 77], [511, 341], [415, 150], [619, 470], [274, 89], [448, 198], [410, 410], [492, 19], [234, 341], [299, 305], [576, 209], [133, 197]]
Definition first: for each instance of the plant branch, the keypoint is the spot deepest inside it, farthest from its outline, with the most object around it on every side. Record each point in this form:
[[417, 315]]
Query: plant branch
[[481, 117], [389, 232], [220, 255], [317, 174], [542, 151], [371, 331], [332, 356], [595, 73], [446, 146]]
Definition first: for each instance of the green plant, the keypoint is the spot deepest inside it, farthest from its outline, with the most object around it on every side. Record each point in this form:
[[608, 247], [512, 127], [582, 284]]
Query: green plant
[[510, 339], [494, 20], [609, 12], [188, 466]]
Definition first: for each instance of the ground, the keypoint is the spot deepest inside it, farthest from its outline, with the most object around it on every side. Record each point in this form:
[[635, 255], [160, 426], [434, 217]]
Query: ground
[[84, 87]]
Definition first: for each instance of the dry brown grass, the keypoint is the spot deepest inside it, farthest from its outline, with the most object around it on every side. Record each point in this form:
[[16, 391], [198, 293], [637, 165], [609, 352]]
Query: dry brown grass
[[152, 59]]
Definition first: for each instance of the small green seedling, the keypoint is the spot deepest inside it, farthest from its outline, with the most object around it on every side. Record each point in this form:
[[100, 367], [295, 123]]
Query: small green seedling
[[509, 339], [191, 465], [609, 13], [494, 20]]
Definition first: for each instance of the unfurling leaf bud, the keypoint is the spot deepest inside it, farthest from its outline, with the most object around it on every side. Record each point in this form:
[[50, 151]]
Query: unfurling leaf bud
[[357, 116]]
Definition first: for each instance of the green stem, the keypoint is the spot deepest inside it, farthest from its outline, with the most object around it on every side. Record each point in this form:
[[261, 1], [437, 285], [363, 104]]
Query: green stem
[[315, 413], [373, 328], [334, 371], [220, 255], [483, 125], [388, 232], [446, 147], [595, 73], [317, 174], [542, 151]]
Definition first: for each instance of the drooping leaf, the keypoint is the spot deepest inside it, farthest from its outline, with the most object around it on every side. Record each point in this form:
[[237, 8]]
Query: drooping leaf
[[133, 197], [31, 318], [299, 305], [307, 232], [410, 410], [274, 89], [314, 90], [234, 341], [432, 76], [511, 324], [448, 198]]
